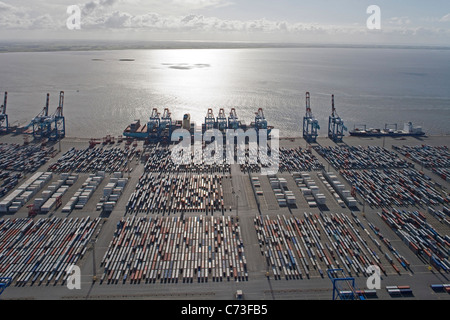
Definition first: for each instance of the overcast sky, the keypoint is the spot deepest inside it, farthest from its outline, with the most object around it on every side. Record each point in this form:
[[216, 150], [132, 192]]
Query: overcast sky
[[325, 21]]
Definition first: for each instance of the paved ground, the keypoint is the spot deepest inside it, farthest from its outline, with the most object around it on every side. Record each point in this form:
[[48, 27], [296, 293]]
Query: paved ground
[[258, 287]]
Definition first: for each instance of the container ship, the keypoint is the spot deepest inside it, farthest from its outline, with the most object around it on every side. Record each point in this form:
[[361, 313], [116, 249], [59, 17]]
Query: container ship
[[159, 128], [409, 130]]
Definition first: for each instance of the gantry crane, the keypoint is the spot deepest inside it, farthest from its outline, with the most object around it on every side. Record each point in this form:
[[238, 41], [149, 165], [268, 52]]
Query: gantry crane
[[42, 123], [4, 283], [260, 120], [261, 123], [343, 286], [59, 130], [51, 127], [233, 122], [310, 123], [222, 120], [4, 124], [210, 121], [165, 127], [336, 126], [153, 126]]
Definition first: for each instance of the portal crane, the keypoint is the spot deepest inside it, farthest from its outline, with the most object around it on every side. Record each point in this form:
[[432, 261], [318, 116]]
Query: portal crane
[[165, 127], [59, 130], [343, 286], [222, 120], [4, 124], [4, 283], [153, 126], [233, 122], [42, 123], [260, 120], [336, 126], [210, 122], [310, 123]]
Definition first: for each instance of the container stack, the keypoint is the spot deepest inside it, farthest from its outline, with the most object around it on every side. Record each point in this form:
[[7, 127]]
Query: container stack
[[428, 156], [412, 227], [169, 250], [9, 180], [112, 192], [49, 197], [16, 199], [399, 290], [21, 158], [159, 160], [340, 193], [176, 193], [396, 187], [96, 159], [284, 196], [357, 157], [298, 159], [82, 196], [39, 252], [309, 189], [295, 247], [437, 159]]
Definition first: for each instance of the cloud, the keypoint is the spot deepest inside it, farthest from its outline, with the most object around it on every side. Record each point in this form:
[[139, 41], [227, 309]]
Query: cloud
[[100, 16], [399, 21], [5, 7], [12, 17], [98, 4]]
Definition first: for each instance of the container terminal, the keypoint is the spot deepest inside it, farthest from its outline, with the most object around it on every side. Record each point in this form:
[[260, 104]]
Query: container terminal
[[142, 227]]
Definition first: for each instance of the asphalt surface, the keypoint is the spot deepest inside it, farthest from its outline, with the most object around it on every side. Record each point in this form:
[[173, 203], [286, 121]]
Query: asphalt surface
[[258, 286]]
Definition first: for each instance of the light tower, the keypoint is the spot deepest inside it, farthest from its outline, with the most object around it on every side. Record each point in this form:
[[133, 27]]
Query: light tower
[[336, 126], [310, 123], [4, 124]]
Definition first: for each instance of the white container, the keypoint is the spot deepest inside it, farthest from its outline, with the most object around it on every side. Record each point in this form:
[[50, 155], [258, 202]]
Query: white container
[[312, 203], [306, 191], [13, 209], [314, 189], [282, 202]]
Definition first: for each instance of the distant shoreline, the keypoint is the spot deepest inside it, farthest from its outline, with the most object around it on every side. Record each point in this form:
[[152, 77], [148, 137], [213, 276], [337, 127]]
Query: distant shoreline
[[58, 46]]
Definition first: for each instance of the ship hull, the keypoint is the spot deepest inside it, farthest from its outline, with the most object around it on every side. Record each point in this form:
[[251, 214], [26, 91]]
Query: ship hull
[[381, 134]]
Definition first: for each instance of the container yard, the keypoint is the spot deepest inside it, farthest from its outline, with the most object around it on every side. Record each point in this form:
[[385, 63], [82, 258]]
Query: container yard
[[427, 156], [177, 193], [158, 159], [91, 160], [199, 231], [420, 236], [371, 157], [39, 252], [24, 158], [390, 187], [170, 250], [297, 248]]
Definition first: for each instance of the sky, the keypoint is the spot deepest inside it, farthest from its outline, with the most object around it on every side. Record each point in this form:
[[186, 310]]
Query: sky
[[412, 22]]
